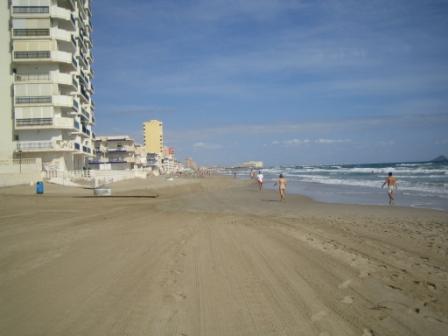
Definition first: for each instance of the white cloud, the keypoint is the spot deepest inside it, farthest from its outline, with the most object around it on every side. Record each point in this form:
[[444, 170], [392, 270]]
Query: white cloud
[[298, 142], [203, 145]]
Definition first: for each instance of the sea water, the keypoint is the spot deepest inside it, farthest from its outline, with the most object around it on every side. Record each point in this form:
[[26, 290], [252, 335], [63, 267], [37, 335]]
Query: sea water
[[420, 184]]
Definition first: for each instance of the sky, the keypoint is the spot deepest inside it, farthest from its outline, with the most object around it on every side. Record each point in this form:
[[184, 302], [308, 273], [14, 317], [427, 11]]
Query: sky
[[287, 82]]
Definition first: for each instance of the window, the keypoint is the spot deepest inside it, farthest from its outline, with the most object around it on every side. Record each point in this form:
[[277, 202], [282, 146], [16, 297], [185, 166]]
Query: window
[[30, 9], [32, 54], [31, 32], [33, 100]]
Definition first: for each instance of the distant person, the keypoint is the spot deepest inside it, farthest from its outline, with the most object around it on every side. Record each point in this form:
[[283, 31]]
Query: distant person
[[392, 186], [252, 174], [282, 182], [234, 175], [260, 178]]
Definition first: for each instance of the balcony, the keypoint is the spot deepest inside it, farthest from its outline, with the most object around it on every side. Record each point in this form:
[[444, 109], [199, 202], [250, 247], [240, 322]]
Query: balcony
[[33, 122], [61, 34], [33, 100], [44, 146], [30, 33], [25, 10], [64, 101], [44, 123], [64, 123], [52, 11], [44, 56], [124, 149]]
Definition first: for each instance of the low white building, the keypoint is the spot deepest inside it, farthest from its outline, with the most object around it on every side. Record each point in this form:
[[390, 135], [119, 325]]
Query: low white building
[[114, 153]]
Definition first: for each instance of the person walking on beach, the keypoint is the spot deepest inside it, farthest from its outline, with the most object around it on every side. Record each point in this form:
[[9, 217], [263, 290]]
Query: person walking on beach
[[392, 185], [260, 178], [282, 182]]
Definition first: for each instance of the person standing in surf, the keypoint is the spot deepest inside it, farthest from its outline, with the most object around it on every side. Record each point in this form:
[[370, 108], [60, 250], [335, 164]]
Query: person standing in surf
[[260, 178], [392, 185], [282, 182]]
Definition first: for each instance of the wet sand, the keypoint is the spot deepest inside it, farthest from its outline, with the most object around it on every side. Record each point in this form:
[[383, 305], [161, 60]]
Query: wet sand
[[216, 257]]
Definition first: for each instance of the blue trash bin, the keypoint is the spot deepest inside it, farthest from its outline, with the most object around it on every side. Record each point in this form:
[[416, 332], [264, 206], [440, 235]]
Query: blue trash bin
[[39, 187]]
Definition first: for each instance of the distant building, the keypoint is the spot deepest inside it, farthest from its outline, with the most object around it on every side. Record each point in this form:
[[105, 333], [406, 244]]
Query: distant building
[[190, 164], [252, 164], [114, 153], [140, 156], [153, 136]]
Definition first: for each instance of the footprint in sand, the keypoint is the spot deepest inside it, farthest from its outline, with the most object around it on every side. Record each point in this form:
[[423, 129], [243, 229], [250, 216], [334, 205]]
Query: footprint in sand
[[367, 332], [345, 284], [318, 316], [180, 296], [363, 274], [347, 300]]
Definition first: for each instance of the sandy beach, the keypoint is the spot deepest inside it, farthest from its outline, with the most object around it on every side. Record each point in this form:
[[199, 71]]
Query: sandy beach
[[214, 256]]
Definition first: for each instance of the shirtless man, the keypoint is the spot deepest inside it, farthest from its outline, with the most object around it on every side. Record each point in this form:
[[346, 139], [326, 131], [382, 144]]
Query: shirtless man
[[282, 182], [392, 185]]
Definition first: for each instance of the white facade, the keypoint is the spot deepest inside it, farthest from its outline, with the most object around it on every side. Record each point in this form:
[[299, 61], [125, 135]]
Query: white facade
[[50, 88], [114, 153]]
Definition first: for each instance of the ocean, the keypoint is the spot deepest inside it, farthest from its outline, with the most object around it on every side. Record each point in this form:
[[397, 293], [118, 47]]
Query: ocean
[[421, 184]]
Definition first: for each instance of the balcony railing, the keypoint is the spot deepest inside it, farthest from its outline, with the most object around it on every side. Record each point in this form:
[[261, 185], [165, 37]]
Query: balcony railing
[[24, 122], [30, 9], [31, 32], [62, 145], [33, 100], [32, 54], [31, 77], [27, 145]]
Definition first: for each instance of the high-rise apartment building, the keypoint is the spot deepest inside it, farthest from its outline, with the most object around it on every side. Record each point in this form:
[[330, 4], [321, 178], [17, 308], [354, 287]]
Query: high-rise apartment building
[[153, 136], [46, 107]]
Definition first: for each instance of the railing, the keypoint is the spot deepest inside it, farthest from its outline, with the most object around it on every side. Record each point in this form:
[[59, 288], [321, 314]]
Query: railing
[[31, 77], [31, 32], [64, 123], [85, 114], [33, 100], [30, 9], [74, 62], [34, 122], [31, 54], [27, 145], [85, 130]]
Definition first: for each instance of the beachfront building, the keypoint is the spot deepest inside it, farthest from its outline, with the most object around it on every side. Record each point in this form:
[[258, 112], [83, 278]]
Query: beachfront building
[[153, 136], [113, 153], [140, 156], [46, 107]]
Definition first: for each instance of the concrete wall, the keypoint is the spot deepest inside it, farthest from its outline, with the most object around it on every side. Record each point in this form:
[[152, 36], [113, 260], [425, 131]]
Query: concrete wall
[[16, 172], [6, 116]]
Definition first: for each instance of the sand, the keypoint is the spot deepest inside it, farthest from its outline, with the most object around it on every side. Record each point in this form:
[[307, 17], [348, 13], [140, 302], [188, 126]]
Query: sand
[[214, 256]]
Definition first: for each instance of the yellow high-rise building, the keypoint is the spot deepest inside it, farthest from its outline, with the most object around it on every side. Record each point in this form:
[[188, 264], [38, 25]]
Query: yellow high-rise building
[[153, 133]]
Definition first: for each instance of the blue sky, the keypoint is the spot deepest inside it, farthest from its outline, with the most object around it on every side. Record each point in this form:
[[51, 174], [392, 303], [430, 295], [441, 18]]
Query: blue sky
[[282, 81]]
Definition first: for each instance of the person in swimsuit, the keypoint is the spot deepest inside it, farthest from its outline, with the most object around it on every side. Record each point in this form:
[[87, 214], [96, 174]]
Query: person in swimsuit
[[282, 182], [392, 185], [260, 180]]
